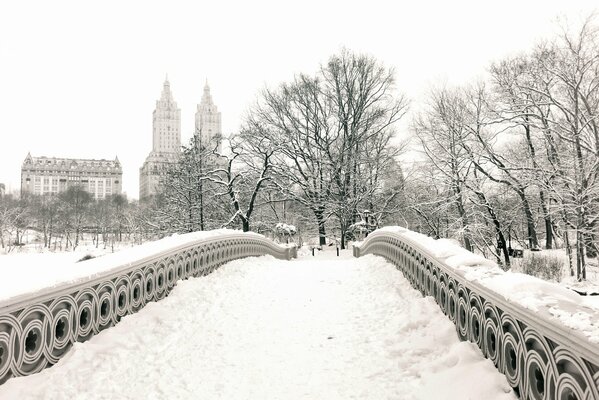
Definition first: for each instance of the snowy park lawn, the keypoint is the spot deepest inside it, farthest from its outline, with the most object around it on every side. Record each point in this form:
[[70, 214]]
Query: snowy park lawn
[[315, 328], [27, 271]]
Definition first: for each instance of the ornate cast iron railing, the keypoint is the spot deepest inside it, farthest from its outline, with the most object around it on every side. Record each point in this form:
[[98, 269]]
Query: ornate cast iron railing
[[540, 357], [36, 330]]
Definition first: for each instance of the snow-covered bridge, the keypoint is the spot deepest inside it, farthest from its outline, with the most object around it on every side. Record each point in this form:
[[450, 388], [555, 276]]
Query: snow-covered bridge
[[315, 327]]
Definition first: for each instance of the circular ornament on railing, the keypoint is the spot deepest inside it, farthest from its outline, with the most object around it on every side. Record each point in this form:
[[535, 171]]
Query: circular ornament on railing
[[160, 287], [179, 269], [34, 340], [452, 302], [442, 295], [539, 365], [62, 327], [137, 287], [576, 378], [434, 287], [513, 352], [492, 334], [150, 283], [425, 283], [463, 313], [10, 342], [86, 317], [171, 274], [106, 313], [188, 266], [64, 306], [122, 297], [475, 321], [195, 263]]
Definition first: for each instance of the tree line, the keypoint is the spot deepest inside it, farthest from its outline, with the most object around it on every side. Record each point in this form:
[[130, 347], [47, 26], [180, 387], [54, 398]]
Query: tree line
[[509, 160], [61, 220], [515, 156]]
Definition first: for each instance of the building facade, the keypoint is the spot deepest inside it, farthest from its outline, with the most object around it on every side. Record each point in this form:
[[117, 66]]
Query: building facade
[[208, 122], [51, 175], [166, 136], [166, 142]]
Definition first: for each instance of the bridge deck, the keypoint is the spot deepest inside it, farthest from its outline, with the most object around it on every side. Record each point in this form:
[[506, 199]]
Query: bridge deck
[[260, 328]]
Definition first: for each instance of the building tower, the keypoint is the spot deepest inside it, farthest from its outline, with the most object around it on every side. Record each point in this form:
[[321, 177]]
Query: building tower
[[166, 123], [208, 123], [166, 142]]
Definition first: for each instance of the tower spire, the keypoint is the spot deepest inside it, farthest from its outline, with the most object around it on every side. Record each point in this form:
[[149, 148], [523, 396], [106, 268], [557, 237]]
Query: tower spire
[[208, 122], [166, 96], [206, 97]]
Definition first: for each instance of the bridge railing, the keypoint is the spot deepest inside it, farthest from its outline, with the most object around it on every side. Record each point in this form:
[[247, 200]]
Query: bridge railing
[[541, 357], [37, 329]]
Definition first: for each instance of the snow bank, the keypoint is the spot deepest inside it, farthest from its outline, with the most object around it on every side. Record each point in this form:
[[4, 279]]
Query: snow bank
[[261, 328], [548, 299], [25, 273]]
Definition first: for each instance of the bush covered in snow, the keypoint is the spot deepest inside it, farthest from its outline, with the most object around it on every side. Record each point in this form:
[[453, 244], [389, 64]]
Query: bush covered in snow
[[544, 266], [284, 232], [284, 229]]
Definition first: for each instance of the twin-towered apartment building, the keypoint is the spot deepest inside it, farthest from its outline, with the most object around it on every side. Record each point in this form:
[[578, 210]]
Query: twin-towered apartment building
[[102, 178], [166, 137]]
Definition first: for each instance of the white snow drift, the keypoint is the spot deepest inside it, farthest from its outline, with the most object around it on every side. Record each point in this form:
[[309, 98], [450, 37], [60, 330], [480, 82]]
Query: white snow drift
[[261, 328]]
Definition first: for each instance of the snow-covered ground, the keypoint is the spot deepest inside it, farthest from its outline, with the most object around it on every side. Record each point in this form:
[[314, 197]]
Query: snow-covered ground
[[319, 327], [26, 272]]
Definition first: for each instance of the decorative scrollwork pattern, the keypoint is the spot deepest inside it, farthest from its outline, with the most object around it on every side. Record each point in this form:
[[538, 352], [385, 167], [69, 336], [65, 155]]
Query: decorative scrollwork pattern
[[541, 360], [36, 332]]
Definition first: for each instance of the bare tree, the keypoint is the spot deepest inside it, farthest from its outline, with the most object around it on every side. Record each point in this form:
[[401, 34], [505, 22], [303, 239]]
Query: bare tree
[[243, 173], [75, 202], [326, 126], [442, 133]]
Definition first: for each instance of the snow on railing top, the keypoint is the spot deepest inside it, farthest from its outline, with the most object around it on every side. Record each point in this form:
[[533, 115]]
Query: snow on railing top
[[74, 273], [554, 302], [38, 327], [543, 337]]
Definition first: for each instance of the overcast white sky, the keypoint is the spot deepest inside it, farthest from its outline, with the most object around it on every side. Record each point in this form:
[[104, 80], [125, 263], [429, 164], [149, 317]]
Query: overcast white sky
[[80, 79]]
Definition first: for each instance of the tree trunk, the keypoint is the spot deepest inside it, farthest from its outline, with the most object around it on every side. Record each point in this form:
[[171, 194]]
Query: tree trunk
[[533, 241], [497, 225], [201, 206], [190, 215], [322, 237], [568, 250], [580, 259], [465, 222], [548, 221]]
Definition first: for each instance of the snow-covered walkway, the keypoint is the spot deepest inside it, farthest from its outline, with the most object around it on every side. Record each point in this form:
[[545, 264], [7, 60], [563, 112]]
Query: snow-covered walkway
[[260, 328]]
